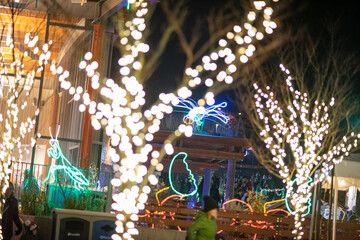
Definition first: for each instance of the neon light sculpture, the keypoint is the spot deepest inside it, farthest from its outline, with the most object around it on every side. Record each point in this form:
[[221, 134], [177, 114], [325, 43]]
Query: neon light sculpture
[[156, 194], [275, 201], [197, 115], [309, 200], [240, 201], [74, 173], [190, 173]]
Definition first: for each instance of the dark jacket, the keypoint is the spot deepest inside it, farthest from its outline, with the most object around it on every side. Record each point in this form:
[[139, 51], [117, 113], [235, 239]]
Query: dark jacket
[[10, 214], [203, 228]]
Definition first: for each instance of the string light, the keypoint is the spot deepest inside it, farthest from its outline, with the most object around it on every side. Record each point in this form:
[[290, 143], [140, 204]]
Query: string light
[[308, 202], [54, 152], [278, 191], [130, 128], [254, 224], [16, 83], [300, 126], [190, 174]]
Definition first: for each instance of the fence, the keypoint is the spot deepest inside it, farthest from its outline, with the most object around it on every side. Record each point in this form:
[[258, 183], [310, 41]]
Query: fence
[[63, 185], [239, 225]]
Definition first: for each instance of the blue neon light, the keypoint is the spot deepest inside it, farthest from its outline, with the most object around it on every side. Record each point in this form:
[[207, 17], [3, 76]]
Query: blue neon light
[[190, 174], [197, 115]]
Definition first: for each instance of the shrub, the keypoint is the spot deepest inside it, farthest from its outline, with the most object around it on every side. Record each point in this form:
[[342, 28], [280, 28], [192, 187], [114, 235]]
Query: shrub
[[33, 203], [29, 202], [84, 201], [98, 205], [70, 203], [256, 200]]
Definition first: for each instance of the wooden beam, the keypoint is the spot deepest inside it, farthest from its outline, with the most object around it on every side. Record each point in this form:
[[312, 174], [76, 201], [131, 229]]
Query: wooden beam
[[179, 166], [204, 153], [196, 139]]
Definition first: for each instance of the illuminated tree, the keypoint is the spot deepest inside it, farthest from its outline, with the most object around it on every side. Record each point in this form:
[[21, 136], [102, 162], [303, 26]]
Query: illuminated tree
[[130, 125], [303, 118], [16, 83]]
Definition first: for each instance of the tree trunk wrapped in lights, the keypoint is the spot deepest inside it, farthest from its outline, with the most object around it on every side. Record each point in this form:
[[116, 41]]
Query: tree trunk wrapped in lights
[[16, 84], [122, 114], [303, 120]]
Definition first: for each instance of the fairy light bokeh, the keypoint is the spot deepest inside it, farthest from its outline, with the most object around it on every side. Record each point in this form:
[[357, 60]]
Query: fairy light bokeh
[[129, 127], [16, 85], [288, 126]]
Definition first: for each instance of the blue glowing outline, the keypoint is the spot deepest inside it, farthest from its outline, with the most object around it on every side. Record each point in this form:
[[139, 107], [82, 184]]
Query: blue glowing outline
[[210, 112], [190, 173], [74, 173], [309, 200]]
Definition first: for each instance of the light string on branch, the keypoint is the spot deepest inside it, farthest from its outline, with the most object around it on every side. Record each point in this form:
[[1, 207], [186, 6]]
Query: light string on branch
[[302, 126], [16, 84], [129, 127], [310, 180]]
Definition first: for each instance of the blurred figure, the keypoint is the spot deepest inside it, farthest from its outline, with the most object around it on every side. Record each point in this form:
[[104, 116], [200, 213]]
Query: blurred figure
[[204, 227], [214, 190], [10, 214]]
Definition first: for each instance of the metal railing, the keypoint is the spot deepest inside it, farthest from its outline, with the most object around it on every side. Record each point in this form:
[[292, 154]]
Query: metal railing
[[63, 185]]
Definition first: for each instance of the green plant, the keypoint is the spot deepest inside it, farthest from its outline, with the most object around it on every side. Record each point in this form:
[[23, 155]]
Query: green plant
[[70, 202], [85, 201], [98, 205], [29, 202], [30, 183], [33, 203], [256, 200], [45, 207]]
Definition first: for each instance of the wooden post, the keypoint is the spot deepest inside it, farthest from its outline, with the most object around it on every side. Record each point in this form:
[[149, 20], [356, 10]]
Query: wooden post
[[54, 107], [86, 141], [206, 185], [313, 211], [318, 216], [230, 179], [330, 205], [36, 127], [335, 207]]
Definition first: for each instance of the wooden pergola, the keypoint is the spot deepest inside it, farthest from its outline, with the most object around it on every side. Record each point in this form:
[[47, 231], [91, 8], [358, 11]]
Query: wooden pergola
[[206, 153]]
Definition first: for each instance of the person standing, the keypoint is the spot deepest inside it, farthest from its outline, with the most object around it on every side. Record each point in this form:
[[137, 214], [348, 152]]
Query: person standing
[[204, 227], [214, 189], [10, 214]]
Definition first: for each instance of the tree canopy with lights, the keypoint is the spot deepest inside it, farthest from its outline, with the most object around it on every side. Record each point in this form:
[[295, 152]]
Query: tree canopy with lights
[[122, 114], [303, 118], [18, 70]]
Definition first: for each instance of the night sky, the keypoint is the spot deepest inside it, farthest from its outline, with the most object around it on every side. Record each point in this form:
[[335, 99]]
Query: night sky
[[312, 14]]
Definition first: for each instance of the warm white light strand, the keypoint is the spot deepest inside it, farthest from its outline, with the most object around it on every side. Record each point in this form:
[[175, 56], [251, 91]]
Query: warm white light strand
[[291, 125], [16, 84], [131, 129]]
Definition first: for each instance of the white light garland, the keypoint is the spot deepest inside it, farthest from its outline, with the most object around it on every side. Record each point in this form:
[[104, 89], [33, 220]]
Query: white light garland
[[15, 87], [299, 121], [130, 128]]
